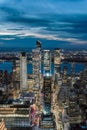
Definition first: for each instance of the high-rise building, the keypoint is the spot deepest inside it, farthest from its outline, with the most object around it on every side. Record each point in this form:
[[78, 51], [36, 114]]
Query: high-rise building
[[46, 62], [36, 62], [16, 74], [23, 71], [57, 62]]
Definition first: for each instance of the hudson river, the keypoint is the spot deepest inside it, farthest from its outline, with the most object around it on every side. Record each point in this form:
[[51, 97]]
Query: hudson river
[[8, 66]]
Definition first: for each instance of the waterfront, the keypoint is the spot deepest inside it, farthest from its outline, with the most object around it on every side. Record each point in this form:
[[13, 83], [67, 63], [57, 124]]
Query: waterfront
[[8, 66]]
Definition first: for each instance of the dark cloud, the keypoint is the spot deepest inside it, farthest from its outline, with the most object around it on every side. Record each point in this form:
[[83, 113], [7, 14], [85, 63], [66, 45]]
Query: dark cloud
[[73, 25], [13, 15], [10, 11], [30, 21]]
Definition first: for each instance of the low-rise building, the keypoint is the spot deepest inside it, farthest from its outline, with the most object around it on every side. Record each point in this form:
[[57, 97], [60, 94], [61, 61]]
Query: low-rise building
[[2, 125]]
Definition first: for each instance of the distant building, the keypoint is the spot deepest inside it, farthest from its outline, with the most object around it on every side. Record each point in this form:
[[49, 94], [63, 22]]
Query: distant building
[[23, 71]]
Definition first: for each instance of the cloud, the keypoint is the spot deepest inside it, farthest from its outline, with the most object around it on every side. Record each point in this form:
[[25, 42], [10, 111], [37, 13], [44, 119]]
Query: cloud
[[10, 33], [35, 33], [7, 39], [62, 28]]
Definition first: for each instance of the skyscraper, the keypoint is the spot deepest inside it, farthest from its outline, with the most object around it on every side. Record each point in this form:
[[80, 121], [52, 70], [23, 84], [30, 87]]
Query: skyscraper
[[23, 71], [57, 61], [16, 74], [36, 68], [36, 62], [46, 62]]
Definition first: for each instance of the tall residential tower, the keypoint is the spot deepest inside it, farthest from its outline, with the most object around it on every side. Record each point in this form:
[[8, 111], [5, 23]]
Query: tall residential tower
[[23, 71]]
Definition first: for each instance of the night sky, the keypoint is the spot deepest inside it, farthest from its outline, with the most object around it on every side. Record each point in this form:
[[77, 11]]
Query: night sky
[[56, 23]]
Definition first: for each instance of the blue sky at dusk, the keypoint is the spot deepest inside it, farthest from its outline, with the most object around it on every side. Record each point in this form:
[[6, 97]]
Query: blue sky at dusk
[[56, 23]]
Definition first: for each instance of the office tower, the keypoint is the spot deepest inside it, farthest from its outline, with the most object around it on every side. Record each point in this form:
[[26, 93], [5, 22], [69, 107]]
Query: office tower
[[23, 71], [16, 74], [36, 62], [46, 62], [57, 62]]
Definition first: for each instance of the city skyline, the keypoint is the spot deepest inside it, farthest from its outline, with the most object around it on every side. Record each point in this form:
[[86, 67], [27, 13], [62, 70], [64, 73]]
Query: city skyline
[[59, 23], [53, 96]]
